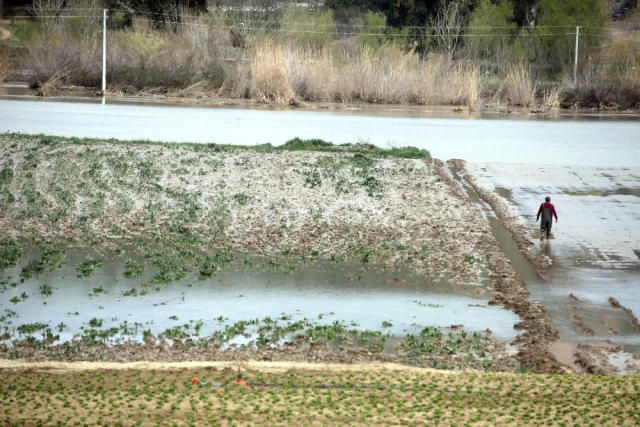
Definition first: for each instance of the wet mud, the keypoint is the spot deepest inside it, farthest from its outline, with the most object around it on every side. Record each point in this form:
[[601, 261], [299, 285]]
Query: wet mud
[[628, 312]]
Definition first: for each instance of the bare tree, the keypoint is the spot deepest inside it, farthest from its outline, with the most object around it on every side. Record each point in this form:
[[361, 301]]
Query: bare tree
[[447, 26], [48, 12]]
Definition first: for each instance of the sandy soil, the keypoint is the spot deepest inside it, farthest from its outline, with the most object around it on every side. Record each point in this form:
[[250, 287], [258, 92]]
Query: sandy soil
[[249, 365]]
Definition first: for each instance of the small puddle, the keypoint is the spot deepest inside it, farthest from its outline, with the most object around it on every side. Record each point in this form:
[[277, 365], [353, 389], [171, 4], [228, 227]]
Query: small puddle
[[505, 192]]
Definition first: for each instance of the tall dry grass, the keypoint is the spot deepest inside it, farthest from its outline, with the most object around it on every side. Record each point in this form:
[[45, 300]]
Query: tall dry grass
[[270, 70], [6, 65], [139, 58], [205, 55], [49, 87], [284, 74], [520, 87], [597, 90]]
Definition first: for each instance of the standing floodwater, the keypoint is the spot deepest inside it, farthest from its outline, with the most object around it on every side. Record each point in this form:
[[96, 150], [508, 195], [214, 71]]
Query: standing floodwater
[[595, 140]]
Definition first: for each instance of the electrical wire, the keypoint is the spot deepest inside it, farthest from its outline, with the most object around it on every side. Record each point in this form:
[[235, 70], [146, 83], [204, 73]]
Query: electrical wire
[[240, 25]]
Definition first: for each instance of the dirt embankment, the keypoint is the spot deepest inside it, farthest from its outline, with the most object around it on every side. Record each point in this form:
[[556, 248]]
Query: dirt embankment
[[511, 292]]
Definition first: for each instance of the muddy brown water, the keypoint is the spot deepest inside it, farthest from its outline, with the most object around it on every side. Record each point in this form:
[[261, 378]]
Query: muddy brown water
[[322, 292], [486, 135]]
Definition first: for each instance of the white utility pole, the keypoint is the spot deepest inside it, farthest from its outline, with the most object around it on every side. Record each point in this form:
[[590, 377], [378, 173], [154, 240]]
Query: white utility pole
[[575, 62], [104, 51]]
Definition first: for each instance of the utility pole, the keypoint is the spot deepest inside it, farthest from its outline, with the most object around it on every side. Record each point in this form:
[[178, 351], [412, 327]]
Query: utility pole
[[104, 52], [575, 61]]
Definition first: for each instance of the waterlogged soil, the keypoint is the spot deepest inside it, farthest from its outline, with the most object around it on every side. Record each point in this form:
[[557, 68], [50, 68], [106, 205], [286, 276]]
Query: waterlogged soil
[[196, 211], [590, 268]]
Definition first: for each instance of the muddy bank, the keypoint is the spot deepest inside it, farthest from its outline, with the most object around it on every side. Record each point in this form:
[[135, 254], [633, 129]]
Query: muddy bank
[[632, 317], [606, 359], [499, 354], [192, 208]]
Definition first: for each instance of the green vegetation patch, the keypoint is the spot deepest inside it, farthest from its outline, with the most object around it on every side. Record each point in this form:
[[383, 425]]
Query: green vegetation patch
[[320, 396], [133, 269], [51, 257], [315, 144], [295, 144], [432, 349], [10, 253], [88, 267]]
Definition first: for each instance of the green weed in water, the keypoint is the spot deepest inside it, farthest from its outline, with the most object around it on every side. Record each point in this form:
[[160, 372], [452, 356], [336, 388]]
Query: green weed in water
[[211, 264], [50, 259], [31, 328], [46, 290], [88, 267], [169, 271], [133, 269], [130, 293]]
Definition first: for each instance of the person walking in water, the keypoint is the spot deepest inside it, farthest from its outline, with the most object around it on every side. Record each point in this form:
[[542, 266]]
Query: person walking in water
[[548, 211]]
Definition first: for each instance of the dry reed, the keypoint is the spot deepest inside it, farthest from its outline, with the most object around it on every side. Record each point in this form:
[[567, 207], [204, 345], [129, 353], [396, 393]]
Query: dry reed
[[5, 66], [49, 87], [520, 87], [270, 71], [389, 76]]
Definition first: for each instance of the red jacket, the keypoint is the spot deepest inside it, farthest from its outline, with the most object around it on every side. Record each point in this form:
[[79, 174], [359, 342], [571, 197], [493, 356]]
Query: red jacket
[[547, 205]]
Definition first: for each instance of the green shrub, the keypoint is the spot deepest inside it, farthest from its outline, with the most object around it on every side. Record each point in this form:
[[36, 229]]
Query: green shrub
[[306, 144]]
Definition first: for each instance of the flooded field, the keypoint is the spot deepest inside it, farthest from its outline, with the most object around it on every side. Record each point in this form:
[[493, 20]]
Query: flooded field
[[593, 262], [152, 245], [390, 247], [371, 298]]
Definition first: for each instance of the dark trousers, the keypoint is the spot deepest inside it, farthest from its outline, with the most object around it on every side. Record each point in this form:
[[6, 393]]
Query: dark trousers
[[545, 227]]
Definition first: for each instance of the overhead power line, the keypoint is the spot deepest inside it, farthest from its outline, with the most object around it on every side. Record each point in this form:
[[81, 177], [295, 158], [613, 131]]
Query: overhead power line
[[515, 31]]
